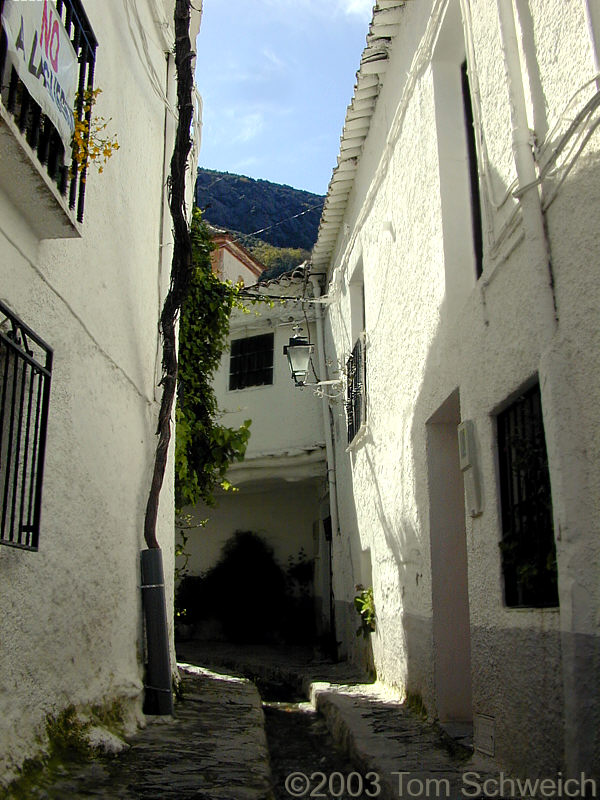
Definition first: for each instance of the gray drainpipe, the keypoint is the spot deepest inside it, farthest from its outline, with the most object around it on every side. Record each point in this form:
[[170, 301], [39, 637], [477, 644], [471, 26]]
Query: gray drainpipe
[[329, 450], [326, 418], [528, 193], [158, 697]]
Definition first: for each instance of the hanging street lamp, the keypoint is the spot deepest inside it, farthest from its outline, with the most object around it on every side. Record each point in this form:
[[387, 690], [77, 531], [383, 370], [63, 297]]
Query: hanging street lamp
[[298, 352]]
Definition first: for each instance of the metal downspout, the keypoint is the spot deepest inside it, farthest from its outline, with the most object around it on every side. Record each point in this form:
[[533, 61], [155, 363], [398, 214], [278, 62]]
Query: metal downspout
[[522, 145], [158, 695], [592, 14], [329, 450], [579, 706], [326, 417]]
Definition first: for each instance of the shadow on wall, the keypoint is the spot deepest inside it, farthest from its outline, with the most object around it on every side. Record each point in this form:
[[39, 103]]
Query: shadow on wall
[[383, 653], [403, 543], [438, 645], [510, 691], [515, 669], [352, 576], [247, 597], [471, 673]]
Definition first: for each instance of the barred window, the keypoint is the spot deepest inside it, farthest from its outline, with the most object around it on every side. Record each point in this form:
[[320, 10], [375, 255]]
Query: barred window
[[476, 217], [356, 407], [251, 362], [25, 370], [528, 549]]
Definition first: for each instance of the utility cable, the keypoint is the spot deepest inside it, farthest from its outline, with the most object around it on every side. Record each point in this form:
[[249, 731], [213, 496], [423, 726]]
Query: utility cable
[[548, 202], [276, 224], [144, 53], [574, 152]]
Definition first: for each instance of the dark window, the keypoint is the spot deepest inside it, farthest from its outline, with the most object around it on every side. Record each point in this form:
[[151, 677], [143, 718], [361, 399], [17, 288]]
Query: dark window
[[251, 361], [473, 171], [40, 133], [25, 369], [528, 550], [356, 407]]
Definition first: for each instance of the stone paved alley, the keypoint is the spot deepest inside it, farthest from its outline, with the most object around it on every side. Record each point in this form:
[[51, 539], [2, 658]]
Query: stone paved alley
[[216, 747]]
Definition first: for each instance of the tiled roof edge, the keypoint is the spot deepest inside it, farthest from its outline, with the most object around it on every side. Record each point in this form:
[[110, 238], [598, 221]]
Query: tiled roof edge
[[373, 64]]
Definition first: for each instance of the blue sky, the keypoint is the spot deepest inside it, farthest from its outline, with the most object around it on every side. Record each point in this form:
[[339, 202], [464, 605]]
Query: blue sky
[[276, 77]]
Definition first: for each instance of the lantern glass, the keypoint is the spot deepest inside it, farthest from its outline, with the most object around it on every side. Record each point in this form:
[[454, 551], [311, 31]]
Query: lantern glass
[[298, 353]]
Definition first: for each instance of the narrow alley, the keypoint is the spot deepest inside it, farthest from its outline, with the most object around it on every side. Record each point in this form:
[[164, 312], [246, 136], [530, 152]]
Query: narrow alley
[[298, 728], [299, 390]]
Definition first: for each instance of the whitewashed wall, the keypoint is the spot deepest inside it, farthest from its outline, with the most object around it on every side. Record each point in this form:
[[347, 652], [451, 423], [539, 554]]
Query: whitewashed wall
[[234, 270], [282, 478], [431, 329], [70, 627], [282, 514], [283, 417]]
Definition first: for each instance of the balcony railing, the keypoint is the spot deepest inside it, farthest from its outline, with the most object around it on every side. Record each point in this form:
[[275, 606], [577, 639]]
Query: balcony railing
[[25, 370], [36, 127]]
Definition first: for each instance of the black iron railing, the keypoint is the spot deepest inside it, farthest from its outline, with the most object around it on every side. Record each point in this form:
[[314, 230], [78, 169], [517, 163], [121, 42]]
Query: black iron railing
[[25, 371], [355, 392], [40, 133], [528, 549]]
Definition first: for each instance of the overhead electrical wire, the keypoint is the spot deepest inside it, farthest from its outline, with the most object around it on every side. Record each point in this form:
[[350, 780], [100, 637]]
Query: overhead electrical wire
[[136, 27], [276, 224]]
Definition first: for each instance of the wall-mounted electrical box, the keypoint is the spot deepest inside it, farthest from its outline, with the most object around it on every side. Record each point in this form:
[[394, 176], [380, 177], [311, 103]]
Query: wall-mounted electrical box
[[467, 453]]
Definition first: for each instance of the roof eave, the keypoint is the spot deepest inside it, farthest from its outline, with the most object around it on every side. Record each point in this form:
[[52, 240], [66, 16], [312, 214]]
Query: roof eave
[[369, 79]]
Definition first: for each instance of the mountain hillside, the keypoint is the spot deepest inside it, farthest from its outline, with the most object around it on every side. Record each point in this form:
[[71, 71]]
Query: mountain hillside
[[259, 207]]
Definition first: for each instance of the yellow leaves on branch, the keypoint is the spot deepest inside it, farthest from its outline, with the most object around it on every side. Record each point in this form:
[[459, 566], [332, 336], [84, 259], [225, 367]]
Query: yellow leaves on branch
[[91, 142]]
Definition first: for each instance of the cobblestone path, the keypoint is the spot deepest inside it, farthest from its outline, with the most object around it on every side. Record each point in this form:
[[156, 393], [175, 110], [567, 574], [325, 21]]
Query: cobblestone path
[[215, 749]]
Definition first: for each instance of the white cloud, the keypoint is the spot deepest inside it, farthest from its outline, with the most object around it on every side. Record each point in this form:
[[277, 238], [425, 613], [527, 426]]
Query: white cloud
[[317, 8], [312, 6], [249, 126], [273, 58], [359, 8]]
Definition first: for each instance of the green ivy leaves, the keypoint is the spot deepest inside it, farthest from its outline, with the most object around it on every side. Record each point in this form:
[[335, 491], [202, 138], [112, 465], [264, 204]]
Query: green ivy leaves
[[203, 448]]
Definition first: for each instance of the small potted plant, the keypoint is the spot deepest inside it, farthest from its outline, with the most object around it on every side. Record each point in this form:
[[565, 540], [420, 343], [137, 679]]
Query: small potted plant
[[365, 606]]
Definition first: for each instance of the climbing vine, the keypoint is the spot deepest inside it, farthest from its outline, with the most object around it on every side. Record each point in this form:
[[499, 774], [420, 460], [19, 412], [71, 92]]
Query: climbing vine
[[204, 448], [181, 262]]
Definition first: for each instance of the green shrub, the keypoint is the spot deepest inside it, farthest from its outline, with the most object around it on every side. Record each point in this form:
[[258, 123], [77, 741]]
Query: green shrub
[[250, 595]]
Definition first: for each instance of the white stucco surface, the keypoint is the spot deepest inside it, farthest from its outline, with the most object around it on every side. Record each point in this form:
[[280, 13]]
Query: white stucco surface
[[283, 417], [282, 514], [281, 483], [236, 271], [71, 628], [433, 329]]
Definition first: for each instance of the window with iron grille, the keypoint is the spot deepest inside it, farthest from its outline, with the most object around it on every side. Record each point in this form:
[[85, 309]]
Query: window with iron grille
[[476, 217], [528, 549], [251, 362], [25, 370], [356, 407], [40, 133]]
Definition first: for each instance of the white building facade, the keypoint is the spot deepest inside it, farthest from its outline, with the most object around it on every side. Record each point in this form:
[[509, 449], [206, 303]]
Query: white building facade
[[461, 257], [89, 280], [280, 485], [231, 261]]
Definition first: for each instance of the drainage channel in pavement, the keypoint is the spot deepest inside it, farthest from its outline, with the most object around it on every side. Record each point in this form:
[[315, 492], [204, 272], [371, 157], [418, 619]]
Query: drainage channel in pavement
[[305, 761]]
